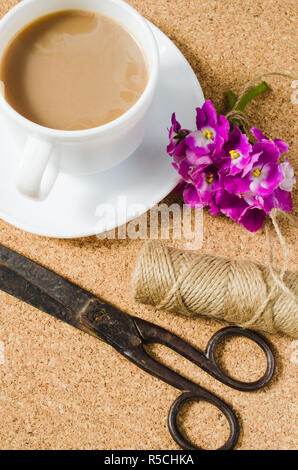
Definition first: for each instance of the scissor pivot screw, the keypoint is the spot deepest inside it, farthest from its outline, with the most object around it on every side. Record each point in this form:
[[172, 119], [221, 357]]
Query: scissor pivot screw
[[98, 316], [95, 316]]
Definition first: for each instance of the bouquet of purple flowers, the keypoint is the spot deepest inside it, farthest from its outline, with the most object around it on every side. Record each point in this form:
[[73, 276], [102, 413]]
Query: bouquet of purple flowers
[[221, 169]]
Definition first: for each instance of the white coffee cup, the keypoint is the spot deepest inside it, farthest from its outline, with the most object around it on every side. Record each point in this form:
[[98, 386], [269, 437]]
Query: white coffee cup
[[45, 152]]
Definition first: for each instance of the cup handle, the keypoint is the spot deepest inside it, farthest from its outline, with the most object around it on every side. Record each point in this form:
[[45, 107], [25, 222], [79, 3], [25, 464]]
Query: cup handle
[[38, 169]]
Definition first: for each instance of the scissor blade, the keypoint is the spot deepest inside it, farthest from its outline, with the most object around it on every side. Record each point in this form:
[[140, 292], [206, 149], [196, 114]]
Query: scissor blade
[[40, 287]]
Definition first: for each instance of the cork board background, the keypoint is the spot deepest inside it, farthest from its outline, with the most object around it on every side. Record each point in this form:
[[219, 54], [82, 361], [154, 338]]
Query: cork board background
[[60, 388]]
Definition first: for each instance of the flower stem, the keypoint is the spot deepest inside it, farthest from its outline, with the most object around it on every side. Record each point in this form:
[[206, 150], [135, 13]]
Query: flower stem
[[246, 98], [231, 99], [251, 94]]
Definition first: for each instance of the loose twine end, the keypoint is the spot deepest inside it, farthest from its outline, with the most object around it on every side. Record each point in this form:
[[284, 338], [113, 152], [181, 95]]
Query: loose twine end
[[237, 115]]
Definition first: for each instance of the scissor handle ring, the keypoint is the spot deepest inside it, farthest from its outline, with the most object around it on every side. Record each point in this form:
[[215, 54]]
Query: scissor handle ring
[[209, 397], [256, 338]]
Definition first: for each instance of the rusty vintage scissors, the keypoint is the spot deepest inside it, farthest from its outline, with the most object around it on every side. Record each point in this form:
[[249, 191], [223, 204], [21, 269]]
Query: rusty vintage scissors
[[66, 301]]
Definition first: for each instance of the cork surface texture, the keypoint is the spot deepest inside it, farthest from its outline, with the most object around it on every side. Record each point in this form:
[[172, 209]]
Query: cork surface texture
[[62, 389]]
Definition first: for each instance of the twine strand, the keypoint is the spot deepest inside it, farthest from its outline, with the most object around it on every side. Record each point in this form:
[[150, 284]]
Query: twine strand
[[240, 116]]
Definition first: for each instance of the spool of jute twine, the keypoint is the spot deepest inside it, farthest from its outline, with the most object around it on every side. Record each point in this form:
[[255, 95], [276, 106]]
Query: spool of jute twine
[[200, 284]]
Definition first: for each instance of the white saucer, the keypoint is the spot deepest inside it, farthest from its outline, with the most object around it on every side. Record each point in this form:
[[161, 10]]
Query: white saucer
[[72, 209]]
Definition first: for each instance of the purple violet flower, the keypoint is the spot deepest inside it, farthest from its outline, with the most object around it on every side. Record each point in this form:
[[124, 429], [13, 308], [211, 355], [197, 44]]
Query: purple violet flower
[[212, 131], [177, 146], [262, 177], [201, 191], [236, 207], [280, 144], [235, 155], [281, 197]]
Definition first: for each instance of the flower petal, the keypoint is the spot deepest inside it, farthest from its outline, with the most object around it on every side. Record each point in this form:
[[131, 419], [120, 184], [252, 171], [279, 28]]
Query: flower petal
[[252, 218], [283, 200], [288, 173], [200, 118], [230, 204], [183, 169], [282, 146], [273, 174], [270, 152], [198, 157], [258, 134], [192, 198], [224, 127], [175, 124], [210, 113], [236, 184], [253, 158]]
